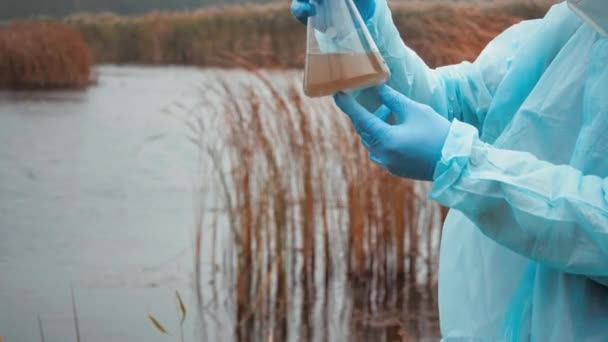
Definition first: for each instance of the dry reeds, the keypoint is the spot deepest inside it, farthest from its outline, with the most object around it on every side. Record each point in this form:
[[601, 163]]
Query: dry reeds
[[300, 207], [267, 36], [43, 55]]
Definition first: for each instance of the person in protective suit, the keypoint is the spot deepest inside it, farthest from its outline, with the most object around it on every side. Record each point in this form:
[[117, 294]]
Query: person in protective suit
[[516, 145]]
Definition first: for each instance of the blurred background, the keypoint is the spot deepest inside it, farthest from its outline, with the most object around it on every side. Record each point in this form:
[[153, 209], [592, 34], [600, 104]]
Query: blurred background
[[164, 178]]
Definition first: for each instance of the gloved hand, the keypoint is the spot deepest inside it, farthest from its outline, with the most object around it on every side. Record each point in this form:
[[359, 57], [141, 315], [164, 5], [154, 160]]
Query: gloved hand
[[409, 149], [302, 9]]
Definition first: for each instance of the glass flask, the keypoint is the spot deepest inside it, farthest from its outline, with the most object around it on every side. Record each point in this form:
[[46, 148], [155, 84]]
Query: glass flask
[[594, 12], [340, 52]]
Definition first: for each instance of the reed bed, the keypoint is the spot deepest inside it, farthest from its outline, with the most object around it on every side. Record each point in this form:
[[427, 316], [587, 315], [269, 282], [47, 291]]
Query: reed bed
[[300, 210], [43, 55], [268, 36]]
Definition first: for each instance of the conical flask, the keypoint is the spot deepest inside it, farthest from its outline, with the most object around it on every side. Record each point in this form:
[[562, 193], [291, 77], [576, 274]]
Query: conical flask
[[340, 53]]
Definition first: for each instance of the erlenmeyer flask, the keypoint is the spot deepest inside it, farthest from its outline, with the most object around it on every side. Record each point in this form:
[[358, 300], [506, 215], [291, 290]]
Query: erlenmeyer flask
[[340, 52]]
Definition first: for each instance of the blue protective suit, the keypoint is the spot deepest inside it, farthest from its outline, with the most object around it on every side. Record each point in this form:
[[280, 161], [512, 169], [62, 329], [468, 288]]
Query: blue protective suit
[[524, 254]]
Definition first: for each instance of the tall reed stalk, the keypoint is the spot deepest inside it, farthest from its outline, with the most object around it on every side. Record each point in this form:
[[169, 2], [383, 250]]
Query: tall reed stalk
[[304, 207]]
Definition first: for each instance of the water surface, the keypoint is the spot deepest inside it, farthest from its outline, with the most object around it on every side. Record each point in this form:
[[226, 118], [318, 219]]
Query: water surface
[[96, 195]]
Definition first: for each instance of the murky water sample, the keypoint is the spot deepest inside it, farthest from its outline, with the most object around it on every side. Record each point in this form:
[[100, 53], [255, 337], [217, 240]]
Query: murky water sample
[[326, 74], [340, 52]]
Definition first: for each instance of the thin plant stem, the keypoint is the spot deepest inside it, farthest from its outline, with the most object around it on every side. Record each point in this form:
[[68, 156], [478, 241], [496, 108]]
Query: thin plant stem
[[76, 320]]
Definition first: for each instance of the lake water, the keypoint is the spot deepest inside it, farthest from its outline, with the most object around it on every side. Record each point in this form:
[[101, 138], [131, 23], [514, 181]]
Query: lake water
[[96, 195]]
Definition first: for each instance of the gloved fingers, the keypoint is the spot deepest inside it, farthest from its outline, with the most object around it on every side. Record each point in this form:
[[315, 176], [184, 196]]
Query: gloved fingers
[[365, 140], [375, 159], [383, 113], [394, 100], [302, 9], [364, 121], [371, 142]]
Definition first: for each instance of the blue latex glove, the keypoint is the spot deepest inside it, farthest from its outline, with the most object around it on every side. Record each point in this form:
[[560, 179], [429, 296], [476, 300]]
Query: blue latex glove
[[410, 149], [302, 9]]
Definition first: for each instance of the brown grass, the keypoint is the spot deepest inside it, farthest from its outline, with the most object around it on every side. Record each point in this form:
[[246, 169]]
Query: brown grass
[[446, 35], [267, 36], [304, 205], [43, 55]]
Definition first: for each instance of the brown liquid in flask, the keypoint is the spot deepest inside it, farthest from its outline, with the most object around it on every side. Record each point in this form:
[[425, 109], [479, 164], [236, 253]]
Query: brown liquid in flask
[[340, 52], [326, 74]]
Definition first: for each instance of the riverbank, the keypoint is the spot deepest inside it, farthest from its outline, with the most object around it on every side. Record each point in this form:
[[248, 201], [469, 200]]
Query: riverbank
[[267, 36], [45, 54]]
